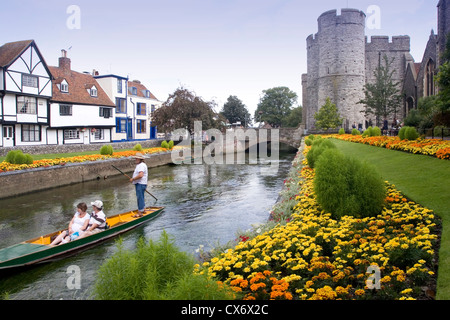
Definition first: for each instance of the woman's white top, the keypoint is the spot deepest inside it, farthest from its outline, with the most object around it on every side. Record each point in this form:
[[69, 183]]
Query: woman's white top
[[78, 222]]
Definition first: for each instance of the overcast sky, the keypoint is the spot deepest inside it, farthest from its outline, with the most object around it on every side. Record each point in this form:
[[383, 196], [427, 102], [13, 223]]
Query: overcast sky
[[215, 48]]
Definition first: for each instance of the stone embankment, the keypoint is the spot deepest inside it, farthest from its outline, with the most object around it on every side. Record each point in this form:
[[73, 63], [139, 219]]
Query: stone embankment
[[16, 183]]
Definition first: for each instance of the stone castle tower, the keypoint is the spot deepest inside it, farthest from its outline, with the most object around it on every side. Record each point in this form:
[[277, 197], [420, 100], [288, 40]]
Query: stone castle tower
[[341, 61], [336, 65]]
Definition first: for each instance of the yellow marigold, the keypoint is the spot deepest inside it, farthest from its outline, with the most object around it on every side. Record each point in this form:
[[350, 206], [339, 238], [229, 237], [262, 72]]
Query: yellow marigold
[[385, 279], [360, 292], [406, 291]]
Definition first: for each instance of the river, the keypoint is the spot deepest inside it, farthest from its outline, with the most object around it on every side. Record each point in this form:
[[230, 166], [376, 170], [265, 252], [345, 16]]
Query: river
[[204, 205]]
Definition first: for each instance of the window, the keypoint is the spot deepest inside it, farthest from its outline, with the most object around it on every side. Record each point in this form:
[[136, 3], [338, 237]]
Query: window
[[133, 90], [26, 105], [93, 92], [64, 87], [119, 86], [65, 110], [121, 125], [99, 134], [121, 105], [141, 126], [31, 133], [429, 89], [29, 81], [71, 134], [141, 109], [147, 93], [105, 113]]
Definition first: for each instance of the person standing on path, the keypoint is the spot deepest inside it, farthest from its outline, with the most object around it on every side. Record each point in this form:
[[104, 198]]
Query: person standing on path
[[140, 180]]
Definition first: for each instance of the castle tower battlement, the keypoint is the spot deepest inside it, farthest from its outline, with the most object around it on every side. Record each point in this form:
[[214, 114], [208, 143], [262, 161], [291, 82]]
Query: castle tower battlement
[[348, 16], [341, 60], [382, 43], [336, 64]]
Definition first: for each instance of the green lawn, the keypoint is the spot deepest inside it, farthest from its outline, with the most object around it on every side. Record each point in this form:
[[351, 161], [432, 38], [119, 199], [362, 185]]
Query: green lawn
[[425, 180]]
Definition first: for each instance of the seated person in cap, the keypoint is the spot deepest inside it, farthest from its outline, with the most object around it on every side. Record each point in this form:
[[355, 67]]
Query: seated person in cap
[[97, 222]]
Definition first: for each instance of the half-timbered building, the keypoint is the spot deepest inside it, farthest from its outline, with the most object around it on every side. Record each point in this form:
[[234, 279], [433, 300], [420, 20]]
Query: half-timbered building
[[25, 93]]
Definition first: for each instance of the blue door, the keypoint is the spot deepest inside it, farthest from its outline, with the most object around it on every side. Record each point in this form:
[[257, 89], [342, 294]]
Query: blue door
[[152, 132], [130, 129]]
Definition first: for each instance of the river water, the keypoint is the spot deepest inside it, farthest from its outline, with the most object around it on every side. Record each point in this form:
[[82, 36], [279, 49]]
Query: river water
[[204, 205]]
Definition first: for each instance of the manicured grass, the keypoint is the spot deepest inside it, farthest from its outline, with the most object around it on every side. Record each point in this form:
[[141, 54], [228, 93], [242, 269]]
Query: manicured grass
[[425, 180]]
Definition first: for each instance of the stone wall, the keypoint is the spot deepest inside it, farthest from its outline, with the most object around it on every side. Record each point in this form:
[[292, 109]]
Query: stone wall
[[16, 183]]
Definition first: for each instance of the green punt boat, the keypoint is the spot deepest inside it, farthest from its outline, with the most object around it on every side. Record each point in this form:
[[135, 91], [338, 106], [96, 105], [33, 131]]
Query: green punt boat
[[38, 250]]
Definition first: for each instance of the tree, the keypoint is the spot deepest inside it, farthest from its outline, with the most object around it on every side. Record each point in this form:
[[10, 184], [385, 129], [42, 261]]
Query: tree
[[182, 109], [328, 116], [383, 97], [275, 105], [234, 110], [294, 119]]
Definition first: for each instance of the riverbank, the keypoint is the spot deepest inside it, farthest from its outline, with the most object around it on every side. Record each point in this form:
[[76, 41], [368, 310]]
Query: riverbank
[[16, 183], [315, 257]]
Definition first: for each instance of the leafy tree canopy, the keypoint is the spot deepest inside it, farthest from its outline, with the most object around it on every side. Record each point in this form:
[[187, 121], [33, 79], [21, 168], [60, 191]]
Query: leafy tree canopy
[[328, 116], [234, 110], [275, 105], [182, 109]]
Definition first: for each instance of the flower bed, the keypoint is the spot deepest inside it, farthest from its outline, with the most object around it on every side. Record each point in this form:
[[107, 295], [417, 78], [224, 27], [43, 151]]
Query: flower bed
[[318, 258], [430, 147], [5, 166]]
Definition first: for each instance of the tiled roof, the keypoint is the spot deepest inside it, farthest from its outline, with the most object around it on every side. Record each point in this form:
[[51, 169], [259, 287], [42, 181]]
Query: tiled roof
[[140, 89], [79, 85], [9, 52]]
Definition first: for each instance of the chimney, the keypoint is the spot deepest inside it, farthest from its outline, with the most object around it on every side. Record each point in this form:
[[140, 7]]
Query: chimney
[[64, 62]]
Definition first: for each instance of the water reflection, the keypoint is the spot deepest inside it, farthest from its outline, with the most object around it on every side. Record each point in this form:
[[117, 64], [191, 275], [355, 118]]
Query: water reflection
[[205, 204]]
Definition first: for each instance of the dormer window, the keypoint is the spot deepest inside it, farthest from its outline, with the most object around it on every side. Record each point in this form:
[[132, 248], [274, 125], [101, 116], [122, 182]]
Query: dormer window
[[147, 93], [133, 91], [93, 92], [64, 86]]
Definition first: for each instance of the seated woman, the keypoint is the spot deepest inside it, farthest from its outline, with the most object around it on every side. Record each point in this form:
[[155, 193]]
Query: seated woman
[[77, 225], [97, 221]]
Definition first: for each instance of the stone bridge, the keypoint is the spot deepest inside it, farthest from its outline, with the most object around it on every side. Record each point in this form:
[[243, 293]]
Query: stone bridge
[[243, 140]]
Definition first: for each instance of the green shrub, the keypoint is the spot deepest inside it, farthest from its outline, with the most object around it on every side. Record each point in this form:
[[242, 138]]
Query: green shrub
[[154, 271], [18, 157], [318, 147], [171, 144], [356, 132], [346, 186], [164, 145], [107, 150], [408, 133], [308, 142], [376, 132], [401, 133], [367, 132], [137, 147], [342, 131], [411, 133]]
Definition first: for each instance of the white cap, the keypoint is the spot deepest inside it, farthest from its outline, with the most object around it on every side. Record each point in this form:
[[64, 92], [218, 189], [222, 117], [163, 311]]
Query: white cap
[[97, 203]]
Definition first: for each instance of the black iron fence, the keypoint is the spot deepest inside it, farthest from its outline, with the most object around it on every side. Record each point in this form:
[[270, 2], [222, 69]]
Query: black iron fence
[[436, 133]]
